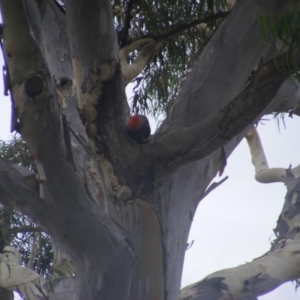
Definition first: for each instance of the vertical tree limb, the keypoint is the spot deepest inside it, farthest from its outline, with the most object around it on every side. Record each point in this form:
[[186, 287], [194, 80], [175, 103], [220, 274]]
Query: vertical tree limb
[[263, 173]]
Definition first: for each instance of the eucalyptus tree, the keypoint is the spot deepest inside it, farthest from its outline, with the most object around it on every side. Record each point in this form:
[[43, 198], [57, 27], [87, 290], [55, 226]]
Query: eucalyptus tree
[[119, 213]]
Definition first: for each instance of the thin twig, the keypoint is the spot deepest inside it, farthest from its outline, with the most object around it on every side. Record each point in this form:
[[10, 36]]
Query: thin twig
[[38, 265], [179, 28], [26, 229], [213, 186], [33, 252], [128, 17]]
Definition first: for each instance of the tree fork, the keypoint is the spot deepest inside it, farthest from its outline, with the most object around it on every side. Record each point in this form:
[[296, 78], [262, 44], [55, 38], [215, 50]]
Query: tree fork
[[121, 215]]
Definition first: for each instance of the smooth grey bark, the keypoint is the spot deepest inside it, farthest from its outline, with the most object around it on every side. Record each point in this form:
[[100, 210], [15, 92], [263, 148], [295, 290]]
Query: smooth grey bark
[[218, 76], [66, 195], [120, 210], [6, 294]]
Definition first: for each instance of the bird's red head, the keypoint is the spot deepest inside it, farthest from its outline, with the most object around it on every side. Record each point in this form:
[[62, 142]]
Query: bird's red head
[[134, 122]]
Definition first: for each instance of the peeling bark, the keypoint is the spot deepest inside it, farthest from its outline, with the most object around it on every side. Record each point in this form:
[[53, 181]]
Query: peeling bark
[[275, 267], [131, 71], [217, 78], [250, 280], [119, 213]]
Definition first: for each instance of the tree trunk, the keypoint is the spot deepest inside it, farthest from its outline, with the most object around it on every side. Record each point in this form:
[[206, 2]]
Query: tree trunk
[[6, 294], [123, 211]]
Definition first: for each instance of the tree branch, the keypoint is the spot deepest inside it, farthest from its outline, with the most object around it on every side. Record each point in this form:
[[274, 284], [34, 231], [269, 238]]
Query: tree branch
[[217, 77], [262, 172], [31, 82], [131, 71], [81, 221], [253, 279], [178, 29], [126, 26], [6, 294], [13, 276], [94, 52], [26, 228], [265, 273], [153, 43], [18, 189], [288, 97], [213, 186], [181, 145]]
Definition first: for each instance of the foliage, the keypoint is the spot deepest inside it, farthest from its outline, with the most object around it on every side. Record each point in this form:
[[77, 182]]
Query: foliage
[[173, 23], [16, 151], [26, 241], [18, 234], [176, 24], [16, 229], [183, 27], [285, 28]]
